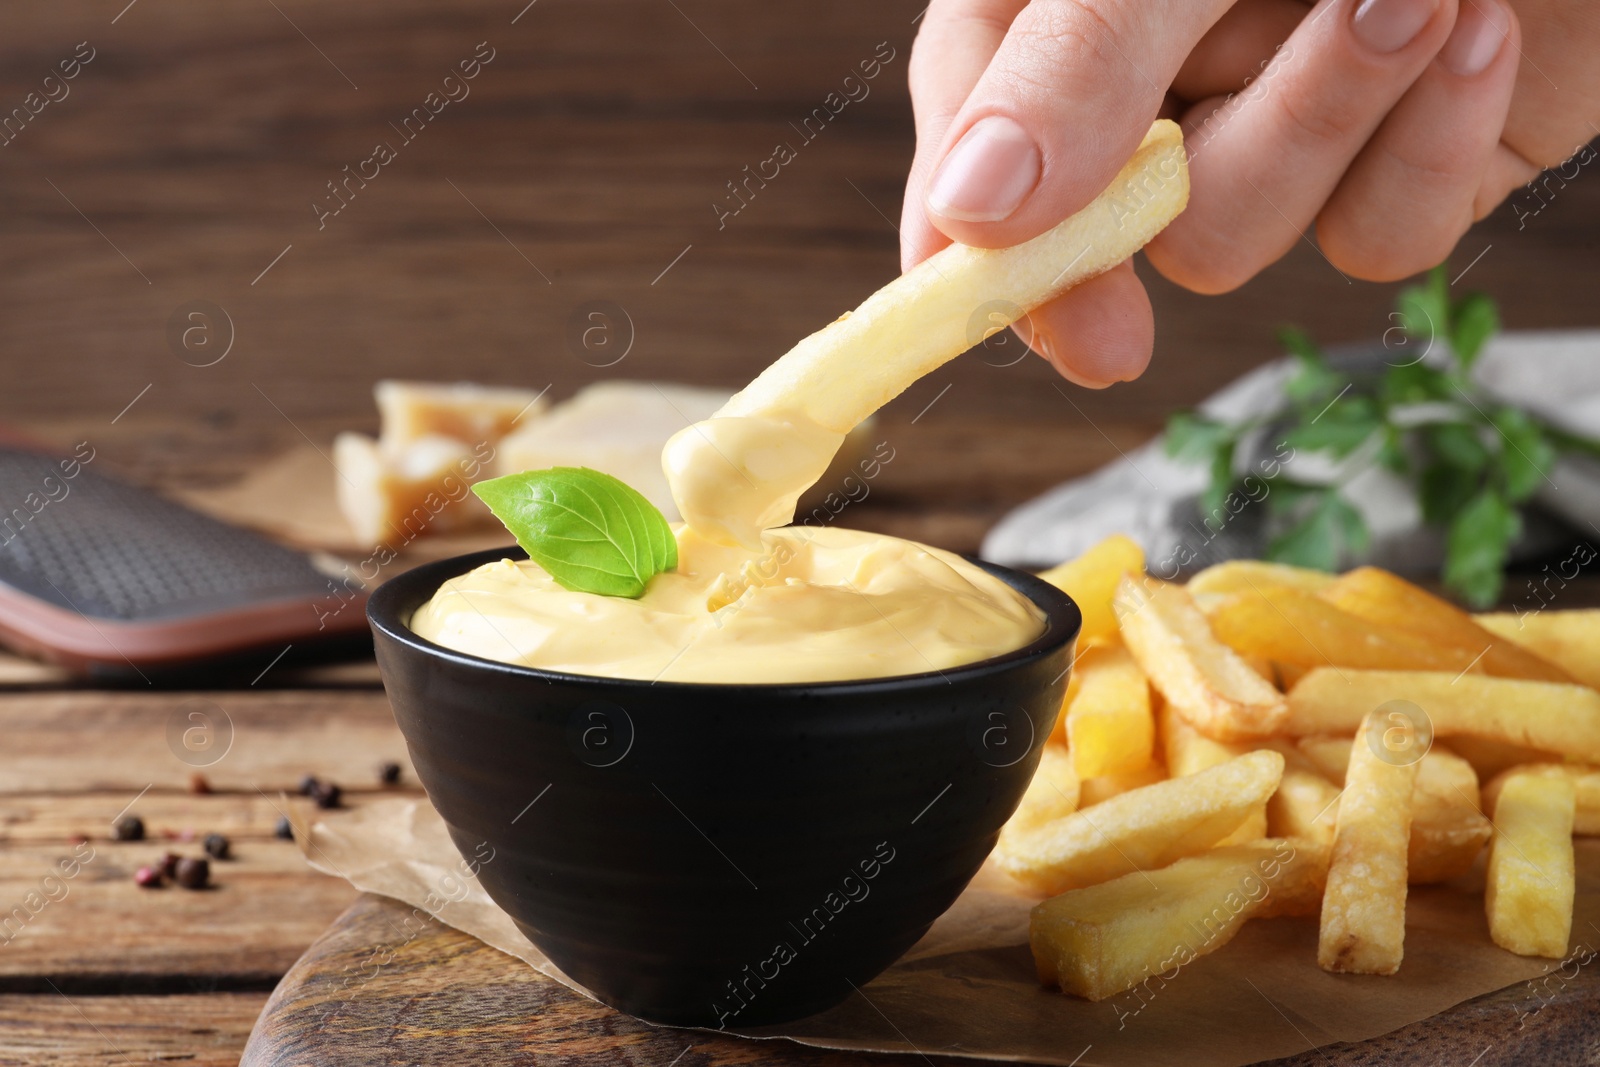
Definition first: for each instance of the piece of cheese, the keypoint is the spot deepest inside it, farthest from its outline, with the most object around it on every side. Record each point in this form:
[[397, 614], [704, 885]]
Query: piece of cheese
[[393, 497], [618, 428], [470, 413]]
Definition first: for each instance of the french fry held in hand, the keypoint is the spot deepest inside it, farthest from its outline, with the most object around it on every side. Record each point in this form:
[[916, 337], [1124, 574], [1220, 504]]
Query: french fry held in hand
[[1532, 879], [1105, 939], [1142, 829], [1543, 715], [1293, 626], [1091, 581], [1585, 788], [1109, 727], [1363, 924], [1205, 681], [742, 470], [1388, 601], [1569, 639]]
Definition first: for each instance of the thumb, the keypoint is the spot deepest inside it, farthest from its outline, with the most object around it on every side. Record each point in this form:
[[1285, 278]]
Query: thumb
[[1061, 107]]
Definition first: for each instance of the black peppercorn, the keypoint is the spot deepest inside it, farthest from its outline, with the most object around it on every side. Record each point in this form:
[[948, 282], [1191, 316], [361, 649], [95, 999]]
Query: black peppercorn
[[327, 795], [217, 846], [389, 772], [284, 829], [128, 828], [169, 864], [309, 785], [193, 873]]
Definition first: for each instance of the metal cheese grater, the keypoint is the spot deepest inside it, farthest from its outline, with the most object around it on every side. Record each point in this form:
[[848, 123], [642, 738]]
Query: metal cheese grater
[[109, 579]]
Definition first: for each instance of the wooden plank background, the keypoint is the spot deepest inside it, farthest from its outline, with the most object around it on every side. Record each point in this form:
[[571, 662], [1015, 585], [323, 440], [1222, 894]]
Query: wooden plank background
[[183, 165]]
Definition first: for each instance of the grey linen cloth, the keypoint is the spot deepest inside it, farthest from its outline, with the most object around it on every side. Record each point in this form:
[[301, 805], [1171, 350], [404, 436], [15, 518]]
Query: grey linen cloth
[[1153, 498]]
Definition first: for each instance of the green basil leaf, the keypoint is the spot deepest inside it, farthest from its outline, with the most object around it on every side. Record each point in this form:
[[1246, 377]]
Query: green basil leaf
[[1477, 546], [1473, 321], [590, 531]]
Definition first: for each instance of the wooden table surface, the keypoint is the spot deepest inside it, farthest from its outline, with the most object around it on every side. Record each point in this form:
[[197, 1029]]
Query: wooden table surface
[[584, 165]]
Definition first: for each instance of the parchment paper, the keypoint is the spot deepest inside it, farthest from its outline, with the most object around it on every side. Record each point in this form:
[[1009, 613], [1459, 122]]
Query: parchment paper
[[968, 987]]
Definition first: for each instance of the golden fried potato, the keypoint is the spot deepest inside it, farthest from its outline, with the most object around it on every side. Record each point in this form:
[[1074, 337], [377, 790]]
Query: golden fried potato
[[1448, 828], [1099, 941], [1205, 681], [1109, 727], [1051, 794], [1569, 639], [1091, 581], [1103, 788], [1388, 601], [1306, 805], [1300, 628], [1142, 829], [1364, 905], [1492, 758], [1585, 781], [1532, 879], [1242, 575], [1543, 715], [1187, 751]]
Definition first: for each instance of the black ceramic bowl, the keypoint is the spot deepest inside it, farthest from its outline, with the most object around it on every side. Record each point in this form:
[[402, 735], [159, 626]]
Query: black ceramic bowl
[[720, 855]]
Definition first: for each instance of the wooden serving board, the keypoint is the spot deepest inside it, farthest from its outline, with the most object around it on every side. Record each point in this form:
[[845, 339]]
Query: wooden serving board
[[364, 994]]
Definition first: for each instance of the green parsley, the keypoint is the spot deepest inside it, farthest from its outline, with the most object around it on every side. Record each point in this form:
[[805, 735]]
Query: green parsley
[[1473, 462]]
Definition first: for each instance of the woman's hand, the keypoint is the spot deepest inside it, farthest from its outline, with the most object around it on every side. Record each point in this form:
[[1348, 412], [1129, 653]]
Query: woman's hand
[[1389, 125]]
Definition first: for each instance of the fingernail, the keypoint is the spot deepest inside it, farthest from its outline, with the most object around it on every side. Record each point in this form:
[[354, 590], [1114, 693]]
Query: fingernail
[[1480, 31], [988, 174], [1390, 25]]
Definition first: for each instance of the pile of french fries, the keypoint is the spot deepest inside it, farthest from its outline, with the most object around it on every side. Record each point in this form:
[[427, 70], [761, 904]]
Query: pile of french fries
[[1268, 741]]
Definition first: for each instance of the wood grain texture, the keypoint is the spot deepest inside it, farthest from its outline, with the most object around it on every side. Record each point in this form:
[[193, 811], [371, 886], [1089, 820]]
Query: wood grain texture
[[57, 1030], [118, 742], [457, 1001]]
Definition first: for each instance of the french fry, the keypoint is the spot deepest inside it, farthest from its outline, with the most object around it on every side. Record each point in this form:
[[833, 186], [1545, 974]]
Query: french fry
[[1363, 924], [1569, 639], [1448, 828], [1543, 715], [1105, 939], [1097, 790], [850, 368], [1203, 679], [1388, 601], [1143, 829], [1532, 880], [1491, 758], [1109, 727], [1585, 781], [1293, 626], [1242, 575], [1306, 805], [1052, 793], [1091, 581], [1187, 751]]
